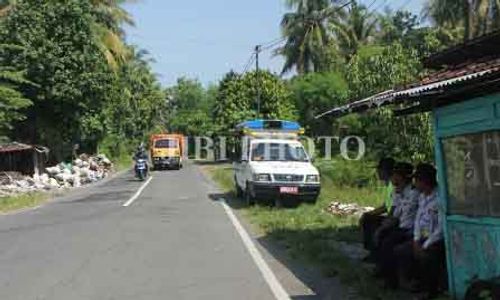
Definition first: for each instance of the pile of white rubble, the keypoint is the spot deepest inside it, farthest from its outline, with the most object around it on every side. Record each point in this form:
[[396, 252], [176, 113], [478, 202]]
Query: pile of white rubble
[[346, 209], [84, 170]]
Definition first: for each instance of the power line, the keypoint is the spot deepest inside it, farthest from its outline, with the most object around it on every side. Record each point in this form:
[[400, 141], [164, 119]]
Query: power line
[[259, 48], [368, 13], [273, 43], [281, 40], [371, 4], [249, 63], [277, 40], [345, 5]]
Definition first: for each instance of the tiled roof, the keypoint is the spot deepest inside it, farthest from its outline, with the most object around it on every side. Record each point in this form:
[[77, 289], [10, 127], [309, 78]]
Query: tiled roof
[[467, 68]]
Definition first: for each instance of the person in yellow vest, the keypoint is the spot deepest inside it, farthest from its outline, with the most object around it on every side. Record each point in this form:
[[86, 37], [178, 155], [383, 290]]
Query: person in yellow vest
[[372, 220]]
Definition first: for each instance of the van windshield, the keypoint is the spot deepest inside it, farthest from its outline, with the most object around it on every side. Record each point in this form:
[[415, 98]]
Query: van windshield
[[278, 152], [167, 143]]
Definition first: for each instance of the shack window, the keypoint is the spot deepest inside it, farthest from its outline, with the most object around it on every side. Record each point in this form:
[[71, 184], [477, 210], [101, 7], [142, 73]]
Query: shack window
[[473, 174]]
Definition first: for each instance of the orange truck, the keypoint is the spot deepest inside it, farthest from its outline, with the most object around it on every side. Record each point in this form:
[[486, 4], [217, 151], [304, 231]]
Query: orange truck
[[167, 151]]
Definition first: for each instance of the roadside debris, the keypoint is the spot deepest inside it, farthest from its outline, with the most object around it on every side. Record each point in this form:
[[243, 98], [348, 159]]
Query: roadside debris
[[83, 170], [346, 209]]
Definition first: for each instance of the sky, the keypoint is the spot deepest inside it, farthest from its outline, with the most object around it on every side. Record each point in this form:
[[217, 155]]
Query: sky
[[205, 39]]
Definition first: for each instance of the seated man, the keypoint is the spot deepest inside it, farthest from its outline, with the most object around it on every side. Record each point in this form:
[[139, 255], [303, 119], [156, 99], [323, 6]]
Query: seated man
[[398, 228], [370, 221], [425, 253]]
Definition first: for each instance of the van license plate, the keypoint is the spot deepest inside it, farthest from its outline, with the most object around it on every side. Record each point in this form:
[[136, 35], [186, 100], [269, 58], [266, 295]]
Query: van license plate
[[289, 190]]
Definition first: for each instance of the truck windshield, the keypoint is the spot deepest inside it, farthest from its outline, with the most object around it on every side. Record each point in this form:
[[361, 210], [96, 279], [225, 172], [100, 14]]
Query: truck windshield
[[169, 143], [278, 152]]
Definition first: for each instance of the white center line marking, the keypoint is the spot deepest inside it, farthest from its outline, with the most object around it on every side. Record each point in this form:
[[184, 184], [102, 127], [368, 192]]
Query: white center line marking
[[136, 195], [276, 287]]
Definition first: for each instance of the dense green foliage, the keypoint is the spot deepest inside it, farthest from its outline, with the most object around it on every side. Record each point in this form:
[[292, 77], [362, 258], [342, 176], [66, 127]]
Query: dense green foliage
[[135, 107], [405, 137], [237, 99], [58, 42], [190, 108], [315, 93], [12, 101], [56, 50]]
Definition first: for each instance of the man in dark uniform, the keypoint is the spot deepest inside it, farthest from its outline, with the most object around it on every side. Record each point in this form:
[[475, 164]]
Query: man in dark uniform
[[424, 255], [398, 228]]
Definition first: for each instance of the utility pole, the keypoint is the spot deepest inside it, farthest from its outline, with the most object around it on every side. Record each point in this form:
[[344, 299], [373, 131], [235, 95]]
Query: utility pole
[[258, 49]]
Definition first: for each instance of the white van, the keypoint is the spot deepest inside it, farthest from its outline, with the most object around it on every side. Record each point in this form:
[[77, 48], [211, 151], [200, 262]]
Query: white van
[[272, 164]]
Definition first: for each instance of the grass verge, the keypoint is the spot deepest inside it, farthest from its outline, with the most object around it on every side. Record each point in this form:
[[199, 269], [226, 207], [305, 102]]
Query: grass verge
[[311, 235], [13, 203], [122, 162]]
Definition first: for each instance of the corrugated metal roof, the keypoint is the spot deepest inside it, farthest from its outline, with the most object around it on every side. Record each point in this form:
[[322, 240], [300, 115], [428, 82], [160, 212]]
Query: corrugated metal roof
[[13, 147], [437, 82]]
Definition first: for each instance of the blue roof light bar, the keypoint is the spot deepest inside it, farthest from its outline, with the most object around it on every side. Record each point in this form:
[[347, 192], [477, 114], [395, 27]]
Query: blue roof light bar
[[277, 125]]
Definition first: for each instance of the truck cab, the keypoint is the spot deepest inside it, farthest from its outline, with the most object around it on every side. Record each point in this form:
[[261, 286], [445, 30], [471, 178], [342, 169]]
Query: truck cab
[[166, 151], [272, 165]]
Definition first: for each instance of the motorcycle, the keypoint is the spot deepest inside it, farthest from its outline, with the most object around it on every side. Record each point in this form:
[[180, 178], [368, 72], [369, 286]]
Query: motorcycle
[[141, 169]]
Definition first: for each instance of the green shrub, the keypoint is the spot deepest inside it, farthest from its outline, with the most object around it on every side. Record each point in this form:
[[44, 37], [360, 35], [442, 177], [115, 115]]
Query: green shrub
[[350, 173], [119, 150]]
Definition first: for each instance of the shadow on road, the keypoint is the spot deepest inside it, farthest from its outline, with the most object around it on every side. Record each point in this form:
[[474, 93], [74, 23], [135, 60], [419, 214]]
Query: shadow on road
[[230, 199]]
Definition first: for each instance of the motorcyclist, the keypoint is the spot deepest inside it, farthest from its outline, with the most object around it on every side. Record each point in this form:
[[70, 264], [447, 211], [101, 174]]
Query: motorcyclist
[[140, 153]]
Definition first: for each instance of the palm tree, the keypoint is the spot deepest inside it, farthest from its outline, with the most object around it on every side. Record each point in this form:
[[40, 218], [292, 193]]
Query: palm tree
[[355, 29], [306, 33], [476, 17], [110, 16]]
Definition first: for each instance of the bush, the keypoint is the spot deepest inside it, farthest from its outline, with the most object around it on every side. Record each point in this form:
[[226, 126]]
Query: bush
[[348, 173], [118, 149]]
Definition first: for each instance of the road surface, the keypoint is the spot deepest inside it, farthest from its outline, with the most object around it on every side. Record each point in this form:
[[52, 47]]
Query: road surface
[[172, 242]]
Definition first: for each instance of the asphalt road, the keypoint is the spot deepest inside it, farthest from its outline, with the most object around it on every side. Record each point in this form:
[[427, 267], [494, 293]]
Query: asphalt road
[[172, 242]]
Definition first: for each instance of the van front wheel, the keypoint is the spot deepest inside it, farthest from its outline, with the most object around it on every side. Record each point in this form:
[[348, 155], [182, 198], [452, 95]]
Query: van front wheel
[[239, 191], [249, 199]]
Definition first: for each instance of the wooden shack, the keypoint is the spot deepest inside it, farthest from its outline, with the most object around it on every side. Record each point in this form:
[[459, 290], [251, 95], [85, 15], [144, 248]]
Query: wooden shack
[[22, 158]]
